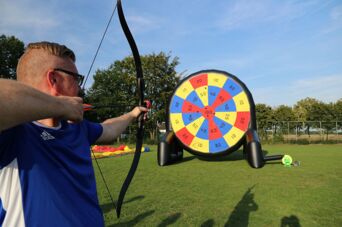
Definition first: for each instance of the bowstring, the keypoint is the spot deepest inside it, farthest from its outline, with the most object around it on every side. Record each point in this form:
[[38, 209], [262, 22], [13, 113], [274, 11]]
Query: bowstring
[[99, 46], [90, 68]]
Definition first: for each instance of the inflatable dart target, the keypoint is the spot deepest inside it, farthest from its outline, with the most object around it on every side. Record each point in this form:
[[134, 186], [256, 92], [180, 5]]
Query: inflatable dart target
[[211, 113]]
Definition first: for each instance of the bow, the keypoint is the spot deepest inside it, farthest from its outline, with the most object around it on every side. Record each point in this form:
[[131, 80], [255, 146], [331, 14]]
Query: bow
[[140, 91]]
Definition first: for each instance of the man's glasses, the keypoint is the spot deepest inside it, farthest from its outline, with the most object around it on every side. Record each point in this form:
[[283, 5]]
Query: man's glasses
[[77, 76]]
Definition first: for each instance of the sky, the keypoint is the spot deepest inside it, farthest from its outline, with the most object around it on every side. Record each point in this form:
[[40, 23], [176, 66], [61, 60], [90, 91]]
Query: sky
[[283, 50]]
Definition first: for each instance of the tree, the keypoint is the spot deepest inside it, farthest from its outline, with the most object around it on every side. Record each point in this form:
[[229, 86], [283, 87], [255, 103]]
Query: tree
[[338, 114], [284, 114], [328, 116], [117, 86], [11, 49], [264, 116], [338, 110], [306, 110], [303, 107]]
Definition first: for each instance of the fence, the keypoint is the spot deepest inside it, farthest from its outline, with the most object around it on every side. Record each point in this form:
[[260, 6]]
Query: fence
[[300, 131]]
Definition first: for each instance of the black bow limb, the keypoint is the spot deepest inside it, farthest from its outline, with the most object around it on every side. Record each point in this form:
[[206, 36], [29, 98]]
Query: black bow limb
[[140, 89]]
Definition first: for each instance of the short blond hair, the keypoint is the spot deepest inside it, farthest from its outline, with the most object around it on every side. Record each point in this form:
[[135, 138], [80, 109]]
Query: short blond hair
[[53, 48], [36, 59]]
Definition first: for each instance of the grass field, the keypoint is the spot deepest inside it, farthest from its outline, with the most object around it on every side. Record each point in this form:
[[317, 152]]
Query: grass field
[[228, 192]]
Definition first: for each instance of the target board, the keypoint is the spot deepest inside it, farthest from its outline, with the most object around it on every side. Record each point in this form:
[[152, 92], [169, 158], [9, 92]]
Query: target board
[[209, 112]]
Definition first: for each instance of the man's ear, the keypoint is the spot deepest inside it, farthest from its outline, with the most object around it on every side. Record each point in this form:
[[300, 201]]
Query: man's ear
[[52, 79]]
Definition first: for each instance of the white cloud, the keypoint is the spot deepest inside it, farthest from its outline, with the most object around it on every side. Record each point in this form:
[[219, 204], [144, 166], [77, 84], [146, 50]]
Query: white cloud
[[142, 23], [324, 88], [247, 13], [335, 20], [336, 13], [25, 16]]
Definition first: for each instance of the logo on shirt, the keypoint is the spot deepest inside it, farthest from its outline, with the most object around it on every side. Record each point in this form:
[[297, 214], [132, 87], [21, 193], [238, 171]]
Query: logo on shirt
[[46, 136]]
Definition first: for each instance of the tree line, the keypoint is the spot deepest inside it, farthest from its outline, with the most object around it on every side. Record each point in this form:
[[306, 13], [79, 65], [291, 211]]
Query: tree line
[[303, 117]]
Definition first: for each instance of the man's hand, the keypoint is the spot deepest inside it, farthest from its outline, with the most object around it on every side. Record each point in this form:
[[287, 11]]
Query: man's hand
[[73, 108], [138, 110]]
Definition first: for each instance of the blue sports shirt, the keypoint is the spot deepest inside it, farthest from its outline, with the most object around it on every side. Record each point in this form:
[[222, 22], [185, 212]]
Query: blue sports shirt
[[47, 177]]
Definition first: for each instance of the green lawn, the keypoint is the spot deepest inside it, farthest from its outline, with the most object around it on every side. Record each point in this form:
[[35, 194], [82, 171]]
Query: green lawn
[[228, 192]]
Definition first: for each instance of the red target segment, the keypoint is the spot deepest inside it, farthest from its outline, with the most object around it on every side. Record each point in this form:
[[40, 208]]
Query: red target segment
[[185, 135], [199, 81], [214, 131], [189, 107], [221, 98], [210, 112], [242, 120]]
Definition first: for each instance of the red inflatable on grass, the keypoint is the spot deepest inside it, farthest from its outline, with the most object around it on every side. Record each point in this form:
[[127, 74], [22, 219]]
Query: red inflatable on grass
[[97, 148]]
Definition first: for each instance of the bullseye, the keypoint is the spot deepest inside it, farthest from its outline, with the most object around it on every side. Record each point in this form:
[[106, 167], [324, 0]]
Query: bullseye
[[208, 112]]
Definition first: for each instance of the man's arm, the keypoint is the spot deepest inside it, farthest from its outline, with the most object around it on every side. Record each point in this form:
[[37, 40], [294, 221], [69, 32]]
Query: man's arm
[[20, 103], [113, 127]]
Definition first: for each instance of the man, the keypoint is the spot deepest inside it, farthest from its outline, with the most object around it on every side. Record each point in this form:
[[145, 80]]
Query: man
[[46, 173]]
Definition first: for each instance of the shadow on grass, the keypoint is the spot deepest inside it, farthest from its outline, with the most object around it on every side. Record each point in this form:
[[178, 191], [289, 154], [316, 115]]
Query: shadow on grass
[[240, 215], [106, 208], [170, 220], [273, 162], [208, 223], [134, 221], [139, 197], [186, 159], [292, 221], [234, 156], [109, 206]]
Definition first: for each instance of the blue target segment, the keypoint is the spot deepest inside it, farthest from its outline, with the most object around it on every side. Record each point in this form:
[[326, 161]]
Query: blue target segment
[[176, 105], [223, 126], [194, 99], [190, 117], [232, 87], [212, 93], [228, 106], [203, 132], [217, 145]]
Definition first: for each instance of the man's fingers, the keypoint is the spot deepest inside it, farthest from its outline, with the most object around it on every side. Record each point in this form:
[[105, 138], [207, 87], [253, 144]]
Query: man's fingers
[[73, 108]]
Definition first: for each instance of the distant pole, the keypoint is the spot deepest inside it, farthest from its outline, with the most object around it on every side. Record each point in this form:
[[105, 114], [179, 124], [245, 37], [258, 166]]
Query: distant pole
[[288, 131], [320, 129]]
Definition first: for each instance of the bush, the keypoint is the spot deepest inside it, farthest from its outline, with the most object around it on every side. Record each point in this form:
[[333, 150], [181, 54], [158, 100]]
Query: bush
[[278, 138], [150, 141], [306, 142], [331, 141], [299, 141]]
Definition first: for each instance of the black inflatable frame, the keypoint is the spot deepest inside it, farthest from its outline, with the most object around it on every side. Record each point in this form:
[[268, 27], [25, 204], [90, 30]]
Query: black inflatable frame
[[170, 149]]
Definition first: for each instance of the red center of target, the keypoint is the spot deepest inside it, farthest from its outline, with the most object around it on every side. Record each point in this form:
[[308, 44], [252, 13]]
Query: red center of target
[[208, 112]]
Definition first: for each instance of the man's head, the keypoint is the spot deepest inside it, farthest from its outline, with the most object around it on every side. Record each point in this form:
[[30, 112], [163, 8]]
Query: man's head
[[49, 67]]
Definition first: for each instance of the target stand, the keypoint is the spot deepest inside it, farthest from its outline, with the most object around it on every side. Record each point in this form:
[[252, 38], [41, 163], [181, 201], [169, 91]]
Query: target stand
[[210, 114]]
